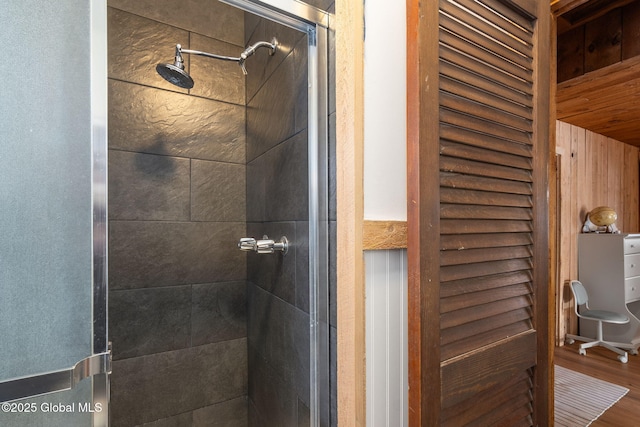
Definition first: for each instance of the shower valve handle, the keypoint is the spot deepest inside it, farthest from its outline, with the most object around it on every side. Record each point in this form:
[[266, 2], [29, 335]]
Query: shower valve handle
[[247, 244], [264, 246]]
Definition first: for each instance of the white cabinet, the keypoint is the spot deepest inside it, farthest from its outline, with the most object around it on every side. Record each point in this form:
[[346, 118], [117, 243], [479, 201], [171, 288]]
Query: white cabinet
[[609, 268]]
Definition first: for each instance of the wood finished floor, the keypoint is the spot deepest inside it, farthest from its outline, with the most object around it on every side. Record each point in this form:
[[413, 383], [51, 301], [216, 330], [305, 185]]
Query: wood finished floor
[[603, 364]]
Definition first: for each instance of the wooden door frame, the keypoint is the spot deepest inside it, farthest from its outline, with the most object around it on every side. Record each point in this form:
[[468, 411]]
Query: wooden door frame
[[349, 37], [423, 215], [419, 212]]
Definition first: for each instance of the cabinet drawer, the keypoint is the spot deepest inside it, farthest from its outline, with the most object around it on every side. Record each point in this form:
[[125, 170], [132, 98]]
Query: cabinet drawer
[[632, 289], [632, 265], [632, 246]]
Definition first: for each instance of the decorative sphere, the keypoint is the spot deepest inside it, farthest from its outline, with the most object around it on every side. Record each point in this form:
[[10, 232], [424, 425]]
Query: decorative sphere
[[603, 216]]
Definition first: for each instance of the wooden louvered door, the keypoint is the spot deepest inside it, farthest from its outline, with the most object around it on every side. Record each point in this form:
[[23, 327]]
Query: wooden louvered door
[[478, 86]]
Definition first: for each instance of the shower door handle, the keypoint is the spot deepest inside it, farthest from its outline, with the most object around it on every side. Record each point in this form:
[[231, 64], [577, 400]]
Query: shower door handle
[[55, 381], [264, 246]]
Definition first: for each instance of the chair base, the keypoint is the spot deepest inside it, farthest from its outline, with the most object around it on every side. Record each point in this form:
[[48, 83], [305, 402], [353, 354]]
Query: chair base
[[591, 342]]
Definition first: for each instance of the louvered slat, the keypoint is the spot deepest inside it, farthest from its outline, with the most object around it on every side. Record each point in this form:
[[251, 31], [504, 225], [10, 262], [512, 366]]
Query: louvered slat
[[460, 317], [486, 198], [455, 72], [470, 241], [483, 212], [453, 102], [458, 181], [487, 127], [483, 269], [452, 41], [491, 324], [486, 98], [495, 41], [449, 164], [495, 331], [462, 60], [511, 14], [515, 28], [470, 256], [479, 284], [470, 299], [464, 151], [466, 136], [455, 226]]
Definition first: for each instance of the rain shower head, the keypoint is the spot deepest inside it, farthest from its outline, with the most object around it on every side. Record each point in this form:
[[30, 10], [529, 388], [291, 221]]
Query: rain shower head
[[175, 73]]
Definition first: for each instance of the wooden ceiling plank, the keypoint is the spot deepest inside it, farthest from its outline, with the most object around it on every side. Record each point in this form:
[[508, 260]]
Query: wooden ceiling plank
[[581, 14], [605, 101], [560, 7], [615, 74]]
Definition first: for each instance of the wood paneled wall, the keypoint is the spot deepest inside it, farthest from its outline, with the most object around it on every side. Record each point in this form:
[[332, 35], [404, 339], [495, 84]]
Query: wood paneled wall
[[593, 170]]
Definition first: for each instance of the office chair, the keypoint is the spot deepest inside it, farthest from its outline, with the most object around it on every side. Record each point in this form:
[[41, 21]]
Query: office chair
[[601, 316]]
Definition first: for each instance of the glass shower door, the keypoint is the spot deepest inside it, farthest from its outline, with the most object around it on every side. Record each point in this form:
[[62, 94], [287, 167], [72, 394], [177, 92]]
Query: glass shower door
[[287, 201], [53, 334]]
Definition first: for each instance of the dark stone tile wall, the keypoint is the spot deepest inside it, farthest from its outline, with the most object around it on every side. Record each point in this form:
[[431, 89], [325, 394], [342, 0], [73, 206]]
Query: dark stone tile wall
[[165, 385], [145, 254], [210, 18], [177, 207], [278, 182], [278, 335], [152, 121]]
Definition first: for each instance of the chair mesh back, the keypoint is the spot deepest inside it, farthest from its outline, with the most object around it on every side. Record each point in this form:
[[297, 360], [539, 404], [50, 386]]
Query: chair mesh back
[[579, 292]]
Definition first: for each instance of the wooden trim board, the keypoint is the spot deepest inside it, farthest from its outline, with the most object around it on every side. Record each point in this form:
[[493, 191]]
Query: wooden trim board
[[351, 375], [379, 235]]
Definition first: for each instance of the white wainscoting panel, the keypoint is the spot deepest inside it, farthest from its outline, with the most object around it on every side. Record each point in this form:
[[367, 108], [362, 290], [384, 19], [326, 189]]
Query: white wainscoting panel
[[386, 336]]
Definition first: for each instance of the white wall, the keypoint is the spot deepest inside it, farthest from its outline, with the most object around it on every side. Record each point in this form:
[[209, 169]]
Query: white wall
[[385, 171]]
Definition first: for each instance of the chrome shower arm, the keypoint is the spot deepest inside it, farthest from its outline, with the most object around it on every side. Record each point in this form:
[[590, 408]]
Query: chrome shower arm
[[210, 55], [252, 49], [240, 60]]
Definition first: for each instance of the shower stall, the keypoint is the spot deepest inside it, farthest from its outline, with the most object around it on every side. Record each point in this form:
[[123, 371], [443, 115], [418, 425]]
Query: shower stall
[[219, 222]]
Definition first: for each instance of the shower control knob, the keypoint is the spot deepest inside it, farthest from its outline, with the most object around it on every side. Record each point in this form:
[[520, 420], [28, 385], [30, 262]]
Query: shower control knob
[[264, 246], [247, 244]]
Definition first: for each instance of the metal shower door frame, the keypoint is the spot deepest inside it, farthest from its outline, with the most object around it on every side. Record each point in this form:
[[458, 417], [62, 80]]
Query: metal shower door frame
[[315, 23]]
